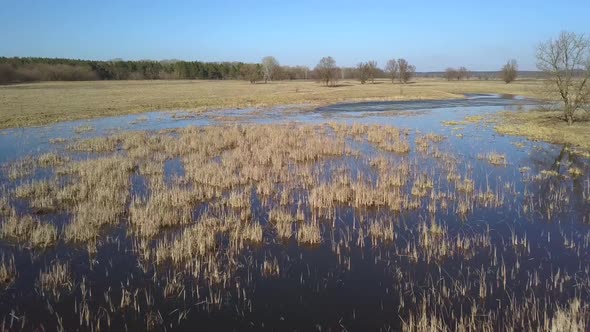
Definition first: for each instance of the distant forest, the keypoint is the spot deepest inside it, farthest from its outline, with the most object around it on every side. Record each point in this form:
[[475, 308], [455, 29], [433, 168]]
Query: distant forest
[[46, 69], [16, 70]]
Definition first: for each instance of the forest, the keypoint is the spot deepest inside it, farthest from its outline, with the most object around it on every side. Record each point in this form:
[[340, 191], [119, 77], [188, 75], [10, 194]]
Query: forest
[[25, 69]]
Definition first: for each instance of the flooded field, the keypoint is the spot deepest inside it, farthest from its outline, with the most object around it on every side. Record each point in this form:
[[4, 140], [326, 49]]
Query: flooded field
[[385, 216]]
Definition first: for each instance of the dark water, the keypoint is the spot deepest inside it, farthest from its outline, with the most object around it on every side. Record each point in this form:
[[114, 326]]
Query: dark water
[[358, 286]]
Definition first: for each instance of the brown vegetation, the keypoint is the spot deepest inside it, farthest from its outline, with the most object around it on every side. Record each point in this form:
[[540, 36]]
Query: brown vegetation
[[245, 190]]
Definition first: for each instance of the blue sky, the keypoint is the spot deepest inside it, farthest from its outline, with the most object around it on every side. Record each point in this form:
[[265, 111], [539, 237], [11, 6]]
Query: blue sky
[[433, 35]]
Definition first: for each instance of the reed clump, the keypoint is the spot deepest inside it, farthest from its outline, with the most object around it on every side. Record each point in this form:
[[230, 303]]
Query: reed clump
[[8, 273], [29, 231], [309, 233], [494, 158], [56, 279]]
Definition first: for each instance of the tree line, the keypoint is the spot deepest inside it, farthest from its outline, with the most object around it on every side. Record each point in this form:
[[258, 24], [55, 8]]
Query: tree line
[[329, 73], [14, 70]]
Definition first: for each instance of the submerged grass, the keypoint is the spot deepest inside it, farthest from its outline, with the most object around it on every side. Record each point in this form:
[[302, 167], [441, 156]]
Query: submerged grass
[[29, 231], [8, 272], [243, 197]]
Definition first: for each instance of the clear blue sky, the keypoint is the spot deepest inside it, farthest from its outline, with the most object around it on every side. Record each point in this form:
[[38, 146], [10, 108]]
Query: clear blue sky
[[430, 34]]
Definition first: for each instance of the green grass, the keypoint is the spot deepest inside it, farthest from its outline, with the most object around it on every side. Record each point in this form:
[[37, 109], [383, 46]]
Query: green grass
[[42, 103]]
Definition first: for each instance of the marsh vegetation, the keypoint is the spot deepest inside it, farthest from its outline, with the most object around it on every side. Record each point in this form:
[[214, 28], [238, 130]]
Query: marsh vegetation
[[332, 225]]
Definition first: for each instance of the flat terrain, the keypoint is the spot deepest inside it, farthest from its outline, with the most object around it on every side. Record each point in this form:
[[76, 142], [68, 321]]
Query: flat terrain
[[363, 217], [548, 126], [42, 103]]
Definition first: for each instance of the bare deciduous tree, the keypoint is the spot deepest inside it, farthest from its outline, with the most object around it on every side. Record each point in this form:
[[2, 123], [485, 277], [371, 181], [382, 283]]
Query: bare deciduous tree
[[250, 72], [327, 71], [462, 73], [450, 73], [372, 70], [509, 71], [406, 70], [392, 69], [362, 70], [456, 74], [269, 66], [565, 61]]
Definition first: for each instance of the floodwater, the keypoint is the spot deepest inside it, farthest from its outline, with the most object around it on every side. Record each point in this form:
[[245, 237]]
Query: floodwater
[[536, 246], [18, 142]]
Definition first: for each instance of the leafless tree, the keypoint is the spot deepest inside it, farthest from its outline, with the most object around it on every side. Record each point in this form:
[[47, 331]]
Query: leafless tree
[[456, 74], [462, 73], [392, 69], [327, 71], [450, 73], [362, 70], [293, 73], [565, 61], [372, 70], [406, 70], [251, 72], [269, 67], [509, 71]]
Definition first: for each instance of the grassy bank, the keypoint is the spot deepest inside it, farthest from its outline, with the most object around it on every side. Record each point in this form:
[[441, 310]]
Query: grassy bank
[[546, 126], [43, 103]]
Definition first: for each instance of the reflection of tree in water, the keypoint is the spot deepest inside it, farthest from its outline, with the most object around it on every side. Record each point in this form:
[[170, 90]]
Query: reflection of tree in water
[[556, 188]]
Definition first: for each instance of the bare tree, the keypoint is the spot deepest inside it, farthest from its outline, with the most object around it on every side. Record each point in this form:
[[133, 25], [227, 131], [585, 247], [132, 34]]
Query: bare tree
[[456, 74], [392, 69], [251, 72], [362, 70], [269, 67], [327, 71], [462, 73], [372, 70], [565, 62], [509, 71], [450, 73], [406, 70]]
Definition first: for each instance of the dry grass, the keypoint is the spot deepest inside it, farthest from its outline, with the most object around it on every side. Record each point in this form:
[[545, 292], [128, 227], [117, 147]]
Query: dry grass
[[83, 129], [494, 158], [309, 233], [21, 168], [55, 279], [8, 272], [97, 195], [5, 207], [97, 144], [42, 103], [207, 223], [50, 159], [165, 208], [573, 317], [468, 120], [29, 231], [283, 221], [546, 126]]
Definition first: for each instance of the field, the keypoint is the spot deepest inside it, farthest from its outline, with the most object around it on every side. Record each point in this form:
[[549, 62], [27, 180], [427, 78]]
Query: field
[[42, 103], [548, 126]]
